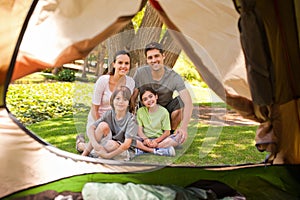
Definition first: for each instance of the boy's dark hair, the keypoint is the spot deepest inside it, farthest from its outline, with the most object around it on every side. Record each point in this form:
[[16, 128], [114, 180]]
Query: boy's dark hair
[[145, 89], [153, 45]]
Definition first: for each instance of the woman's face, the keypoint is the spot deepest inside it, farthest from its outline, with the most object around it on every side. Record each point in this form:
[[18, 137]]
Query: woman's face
[[120, 103], [122, 65], [149, 99]]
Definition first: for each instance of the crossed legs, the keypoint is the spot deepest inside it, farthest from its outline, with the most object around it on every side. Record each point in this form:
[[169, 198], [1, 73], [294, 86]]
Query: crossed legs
[[102, 132]]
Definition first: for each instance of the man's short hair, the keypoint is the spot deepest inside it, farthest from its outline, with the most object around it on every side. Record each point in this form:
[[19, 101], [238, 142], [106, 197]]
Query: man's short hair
[[154, 45]]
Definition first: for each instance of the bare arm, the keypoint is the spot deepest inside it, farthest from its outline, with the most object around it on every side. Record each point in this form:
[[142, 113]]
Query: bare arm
[[146, 140], [141, 133], [133, 100], [94, 111], [187, 113], [165, 134], [91, 135]]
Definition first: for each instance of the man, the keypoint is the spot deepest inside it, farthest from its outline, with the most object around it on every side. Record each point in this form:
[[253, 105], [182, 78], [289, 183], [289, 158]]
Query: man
[[164, 81]]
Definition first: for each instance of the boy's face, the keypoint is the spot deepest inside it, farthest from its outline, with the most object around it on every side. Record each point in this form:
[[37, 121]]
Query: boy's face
[[155, 59], [120, 103], [149, 99]]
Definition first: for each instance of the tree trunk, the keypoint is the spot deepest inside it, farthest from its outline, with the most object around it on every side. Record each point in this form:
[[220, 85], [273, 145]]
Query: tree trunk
[[172, 50], [85, 65], [150, 30], [55, 70], [101, 49]]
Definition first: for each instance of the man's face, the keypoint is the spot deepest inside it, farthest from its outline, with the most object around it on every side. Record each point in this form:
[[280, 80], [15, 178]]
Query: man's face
[[155, 59]]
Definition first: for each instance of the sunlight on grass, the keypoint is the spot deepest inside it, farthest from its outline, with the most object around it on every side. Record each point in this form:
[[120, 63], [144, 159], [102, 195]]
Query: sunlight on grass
[[83, 93], [60, 132], [206, 145], [230, 149], [234, 146]]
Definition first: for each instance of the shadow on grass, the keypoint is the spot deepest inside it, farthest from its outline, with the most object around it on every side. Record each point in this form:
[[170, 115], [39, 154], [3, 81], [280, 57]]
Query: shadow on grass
[[60, 132], [229, 145]]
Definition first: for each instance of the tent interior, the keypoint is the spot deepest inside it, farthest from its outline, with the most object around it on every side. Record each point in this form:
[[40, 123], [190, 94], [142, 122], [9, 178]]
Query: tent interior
[[246, 51]]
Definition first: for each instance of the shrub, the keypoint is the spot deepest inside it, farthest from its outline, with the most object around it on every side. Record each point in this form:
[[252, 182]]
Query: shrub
[[186, 69], [32, 103], [66, 75], [188, 73]]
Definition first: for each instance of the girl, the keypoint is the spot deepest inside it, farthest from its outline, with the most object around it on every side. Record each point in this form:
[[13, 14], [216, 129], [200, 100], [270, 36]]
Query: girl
[[154, 122]]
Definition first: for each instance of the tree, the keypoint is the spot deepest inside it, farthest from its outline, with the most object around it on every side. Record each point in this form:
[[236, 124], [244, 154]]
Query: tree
[[101, 49], [146, 27]]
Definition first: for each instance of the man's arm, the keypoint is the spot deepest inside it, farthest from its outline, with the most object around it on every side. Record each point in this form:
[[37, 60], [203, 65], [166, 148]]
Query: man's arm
[[133, 100], [187, 113]]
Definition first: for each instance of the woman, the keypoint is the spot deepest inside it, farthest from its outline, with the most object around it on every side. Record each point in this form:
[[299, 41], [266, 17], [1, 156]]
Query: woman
[[103, 90]]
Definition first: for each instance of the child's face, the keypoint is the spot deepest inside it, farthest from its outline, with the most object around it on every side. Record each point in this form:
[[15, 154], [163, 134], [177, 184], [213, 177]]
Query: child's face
[[120, 103], [149, 99]]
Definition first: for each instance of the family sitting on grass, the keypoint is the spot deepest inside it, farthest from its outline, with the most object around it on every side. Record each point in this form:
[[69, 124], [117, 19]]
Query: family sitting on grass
[[159, 125]]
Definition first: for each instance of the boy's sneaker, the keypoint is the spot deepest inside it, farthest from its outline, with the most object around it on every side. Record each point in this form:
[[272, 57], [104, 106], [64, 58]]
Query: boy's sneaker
[[170, 151], [139, 152]]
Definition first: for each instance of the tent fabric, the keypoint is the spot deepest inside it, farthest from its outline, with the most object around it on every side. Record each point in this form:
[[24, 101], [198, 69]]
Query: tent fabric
[[260, 70], [251, 181], [78, 27], [12, 16], [221, 68], [62, 31], [258, 62], [25, 161], [273, 65]]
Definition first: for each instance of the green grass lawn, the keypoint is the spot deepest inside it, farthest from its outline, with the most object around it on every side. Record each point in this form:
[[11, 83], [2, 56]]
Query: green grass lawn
[[207, 145]]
